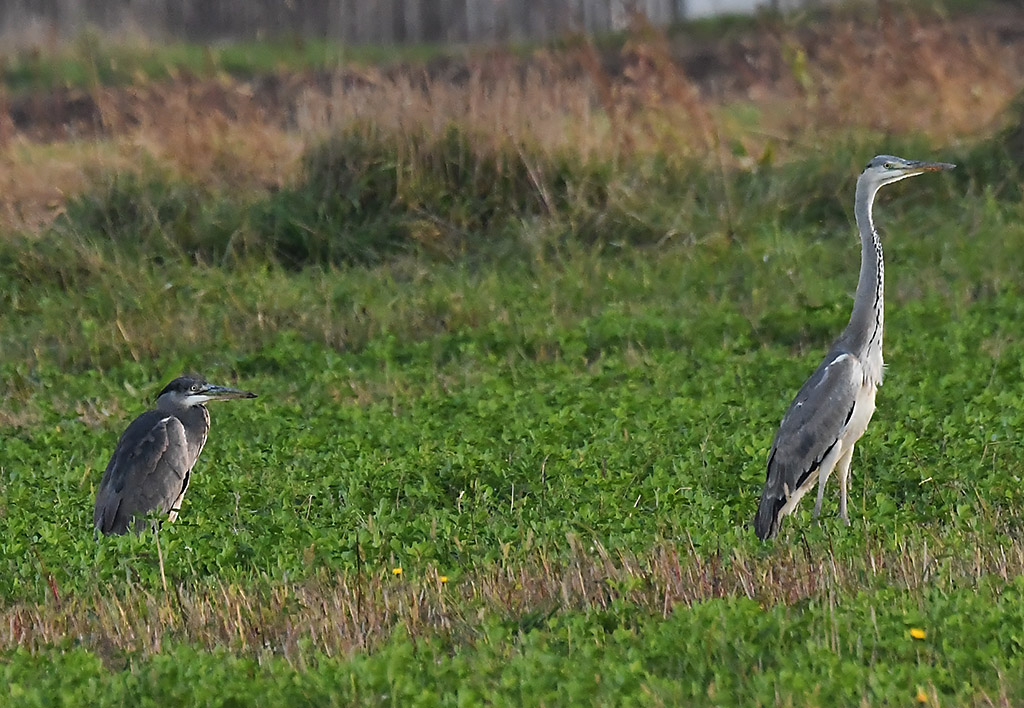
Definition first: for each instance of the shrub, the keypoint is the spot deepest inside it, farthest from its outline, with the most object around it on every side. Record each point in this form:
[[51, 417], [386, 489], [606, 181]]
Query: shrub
[[365, 194], [158, 216]]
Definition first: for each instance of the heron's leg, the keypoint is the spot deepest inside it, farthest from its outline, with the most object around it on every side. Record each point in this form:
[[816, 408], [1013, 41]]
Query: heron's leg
[[824, 470], [844, 478]]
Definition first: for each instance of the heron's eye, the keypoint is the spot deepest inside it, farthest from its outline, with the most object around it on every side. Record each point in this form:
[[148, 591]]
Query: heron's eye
[[889, 166], [195, 387]]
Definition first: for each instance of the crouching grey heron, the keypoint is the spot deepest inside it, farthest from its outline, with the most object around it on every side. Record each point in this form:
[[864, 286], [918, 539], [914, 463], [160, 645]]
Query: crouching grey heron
[[832, 409], [153, 461]]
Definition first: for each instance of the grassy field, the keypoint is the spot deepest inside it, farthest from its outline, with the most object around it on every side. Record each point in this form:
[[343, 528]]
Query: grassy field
[[520, 349]]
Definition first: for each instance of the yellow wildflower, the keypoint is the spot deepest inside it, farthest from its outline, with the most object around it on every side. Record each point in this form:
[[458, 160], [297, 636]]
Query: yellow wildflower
[[918, 633], [443, 578], [922, 697], [396, 571]]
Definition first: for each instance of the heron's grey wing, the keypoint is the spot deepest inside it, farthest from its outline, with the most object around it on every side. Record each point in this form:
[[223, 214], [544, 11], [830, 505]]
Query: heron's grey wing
[[148, 471], [810, 429]]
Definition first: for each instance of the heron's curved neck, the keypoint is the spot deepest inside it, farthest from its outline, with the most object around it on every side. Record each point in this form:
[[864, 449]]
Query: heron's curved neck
[[864, 332]]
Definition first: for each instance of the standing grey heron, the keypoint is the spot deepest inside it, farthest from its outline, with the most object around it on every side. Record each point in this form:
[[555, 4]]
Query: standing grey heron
[[152, 465], [832, 409]]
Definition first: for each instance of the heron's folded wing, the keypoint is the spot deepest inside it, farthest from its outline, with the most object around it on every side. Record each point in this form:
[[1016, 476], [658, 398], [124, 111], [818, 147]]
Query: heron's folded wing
[[146, 472], [814, 422]]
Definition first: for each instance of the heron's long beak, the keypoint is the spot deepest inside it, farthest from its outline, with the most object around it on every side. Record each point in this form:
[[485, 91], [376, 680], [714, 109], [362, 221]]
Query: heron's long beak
[[223, 393], [919, 167]]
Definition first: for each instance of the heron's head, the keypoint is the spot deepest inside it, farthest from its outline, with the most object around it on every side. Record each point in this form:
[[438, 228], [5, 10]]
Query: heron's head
[[188, 391], [886, 169]]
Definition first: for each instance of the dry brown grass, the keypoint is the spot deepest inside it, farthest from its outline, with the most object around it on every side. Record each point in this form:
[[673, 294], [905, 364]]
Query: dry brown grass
[[910, 75], [215, 132], [35, 179], [895, 73], [344, 613]]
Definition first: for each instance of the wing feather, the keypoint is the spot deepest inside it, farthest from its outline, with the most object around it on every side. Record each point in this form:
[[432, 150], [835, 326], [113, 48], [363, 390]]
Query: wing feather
[[812, 426], [148, 471]]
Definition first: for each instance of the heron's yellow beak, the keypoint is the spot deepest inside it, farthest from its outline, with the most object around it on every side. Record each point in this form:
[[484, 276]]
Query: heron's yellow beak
[[917, 168]]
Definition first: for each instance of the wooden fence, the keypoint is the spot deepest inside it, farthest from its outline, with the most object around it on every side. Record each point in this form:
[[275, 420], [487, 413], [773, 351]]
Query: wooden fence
[[352, 21]]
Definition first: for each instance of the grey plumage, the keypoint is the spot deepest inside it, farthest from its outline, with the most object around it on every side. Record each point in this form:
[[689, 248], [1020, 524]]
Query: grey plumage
[[832, 409], [152, 464]]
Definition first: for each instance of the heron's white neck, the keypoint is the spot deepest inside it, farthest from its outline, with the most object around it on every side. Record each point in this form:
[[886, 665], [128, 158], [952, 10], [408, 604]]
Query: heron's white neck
[[864, 333], [176, 403]]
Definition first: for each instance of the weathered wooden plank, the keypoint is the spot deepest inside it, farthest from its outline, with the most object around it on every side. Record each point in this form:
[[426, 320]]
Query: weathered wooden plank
[[34, 22]]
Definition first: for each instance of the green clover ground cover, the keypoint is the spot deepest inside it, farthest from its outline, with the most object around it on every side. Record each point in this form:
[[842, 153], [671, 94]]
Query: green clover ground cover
[[852, 650], [472, 415]]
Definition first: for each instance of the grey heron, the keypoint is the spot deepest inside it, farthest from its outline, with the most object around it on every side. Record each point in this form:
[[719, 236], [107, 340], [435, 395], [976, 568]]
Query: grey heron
[[152, 464], [832, 409]]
